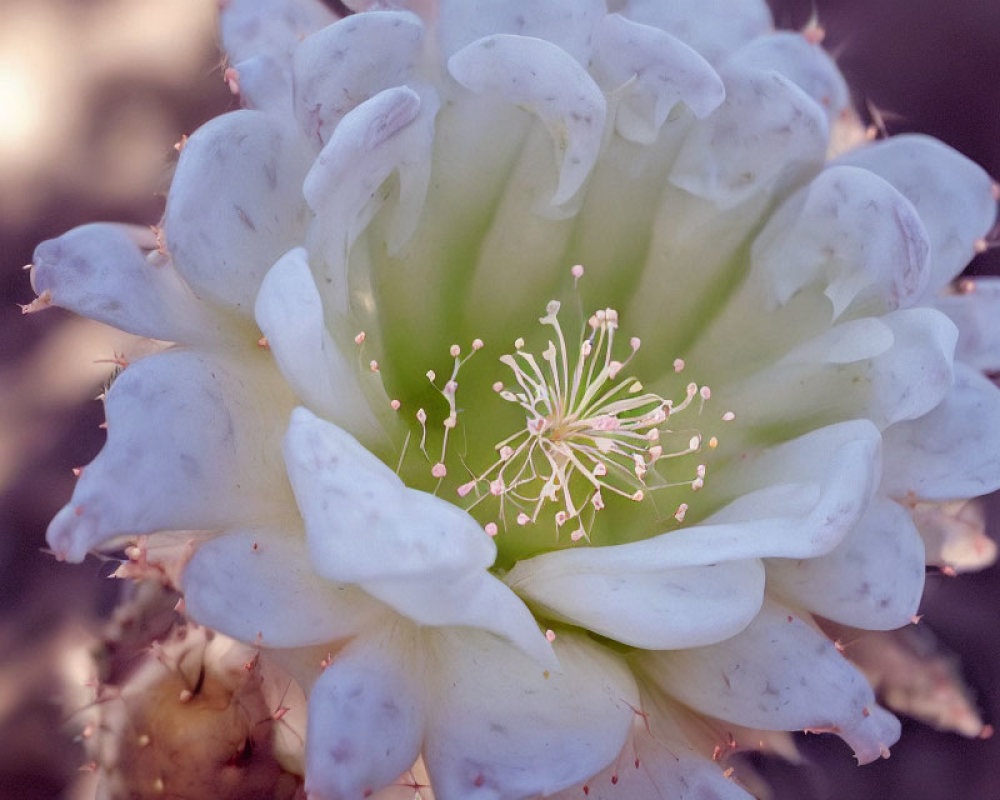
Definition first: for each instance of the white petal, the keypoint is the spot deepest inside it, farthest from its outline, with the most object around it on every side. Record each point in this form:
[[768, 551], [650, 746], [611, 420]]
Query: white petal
[[390, 133], [952, 452], [269, 27], [419, 554], [778, 674], [475, 600], [345, 64], [568, 24], [955, 535], [655, 72], [854, 231], [361, 520], [189, 448], [99, 271], [767, 131], [975, 309], [953, 196], [290, 315], [235, 206], [806, 63], [263, 83], [873, 579], [838, 468], [539, 76], [887, 369], [256, 586], [366, 716], [655, 609], [715, 28], [658, 763], [500, 726], [804, 494]]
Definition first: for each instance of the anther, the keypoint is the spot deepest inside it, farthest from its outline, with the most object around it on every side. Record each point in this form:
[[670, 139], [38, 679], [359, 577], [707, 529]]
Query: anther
[[455, 351], [477, 344], [373, 365], [678, 364], [729, 416], [491, 529], [439, 470], [360, 338], [681, 512], [394, 405]]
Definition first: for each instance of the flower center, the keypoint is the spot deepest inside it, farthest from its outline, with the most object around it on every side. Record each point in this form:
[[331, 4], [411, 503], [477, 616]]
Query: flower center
[[592, 438], [587, 431]]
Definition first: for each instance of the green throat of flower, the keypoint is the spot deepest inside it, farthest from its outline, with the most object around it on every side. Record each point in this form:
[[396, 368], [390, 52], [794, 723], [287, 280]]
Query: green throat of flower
[[589, 456]]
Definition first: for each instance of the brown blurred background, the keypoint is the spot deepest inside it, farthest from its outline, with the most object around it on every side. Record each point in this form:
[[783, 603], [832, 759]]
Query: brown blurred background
[[93, 95]]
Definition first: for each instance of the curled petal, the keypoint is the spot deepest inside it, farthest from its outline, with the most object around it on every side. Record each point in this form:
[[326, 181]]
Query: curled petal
[[390, 133], [801, 497], [868, 367], [952, 195], [952, 452], [778, 674], [568, 24], [767, 131], [290, 315], [101, 272], [975, 309], [343, 65], [715, 28], [188, 449], [366, 716], [235, 206], [537, 75], [498, 724], [257, 586], [806, 63], [854, 231], [269, 27], [873, 579], [655, 72]]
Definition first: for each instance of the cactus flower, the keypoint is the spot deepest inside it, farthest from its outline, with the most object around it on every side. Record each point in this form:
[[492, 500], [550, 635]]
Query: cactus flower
[[542, 377]]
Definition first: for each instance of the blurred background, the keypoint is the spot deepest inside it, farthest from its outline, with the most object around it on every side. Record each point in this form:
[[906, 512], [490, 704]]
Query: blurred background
[[93, 96]]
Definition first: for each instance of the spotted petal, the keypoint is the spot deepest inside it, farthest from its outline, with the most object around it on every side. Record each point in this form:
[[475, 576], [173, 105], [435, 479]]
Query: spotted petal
[[188, 449], [537, 75], [778, 674], [256, 586], [366, 715], [511, 741], [101, 271]]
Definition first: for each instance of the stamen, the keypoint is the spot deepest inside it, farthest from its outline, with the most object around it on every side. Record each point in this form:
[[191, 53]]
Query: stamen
[[588, 431]]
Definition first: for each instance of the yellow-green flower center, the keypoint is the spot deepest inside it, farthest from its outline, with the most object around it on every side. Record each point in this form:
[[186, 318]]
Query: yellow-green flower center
[[592, 437]]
